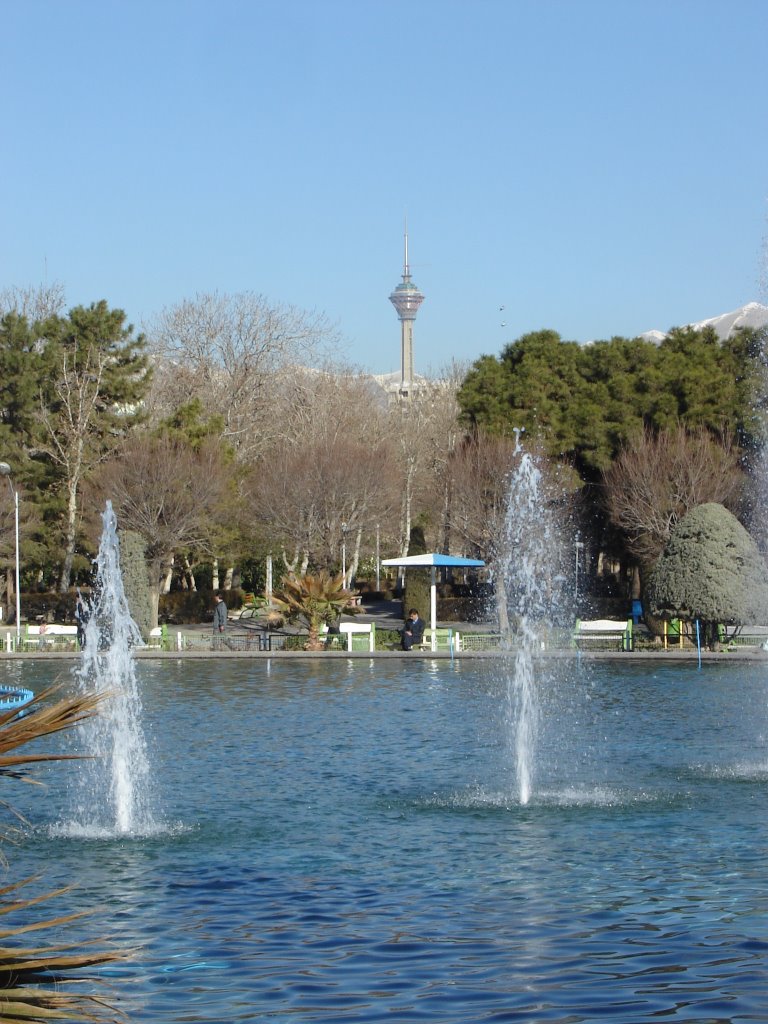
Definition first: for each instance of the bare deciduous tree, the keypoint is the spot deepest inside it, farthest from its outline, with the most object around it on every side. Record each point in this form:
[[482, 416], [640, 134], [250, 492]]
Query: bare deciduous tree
[[304, 495], [480, 472], [425, 429], [228, 350], [34, 303], [97, 378], [439, 437], [658, 479], [77, 392], [335, 464], [174, 496]]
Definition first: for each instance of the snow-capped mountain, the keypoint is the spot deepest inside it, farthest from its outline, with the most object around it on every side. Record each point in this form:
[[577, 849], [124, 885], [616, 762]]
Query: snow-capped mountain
[[751, 315]]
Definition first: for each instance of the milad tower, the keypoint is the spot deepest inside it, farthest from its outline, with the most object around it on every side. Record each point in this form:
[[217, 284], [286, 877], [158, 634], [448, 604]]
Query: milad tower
[[406, 298]]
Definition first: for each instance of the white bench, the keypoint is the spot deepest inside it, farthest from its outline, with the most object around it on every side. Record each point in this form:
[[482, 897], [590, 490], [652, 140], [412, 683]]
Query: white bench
[[603, 634], [49, 634], [441, 639], [355, 636]]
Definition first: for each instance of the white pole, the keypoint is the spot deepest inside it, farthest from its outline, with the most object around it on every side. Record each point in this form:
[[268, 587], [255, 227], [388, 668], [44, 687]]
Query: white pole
[[579, 545], [433, 607], [378, 560], [18, 591], [344, 555]]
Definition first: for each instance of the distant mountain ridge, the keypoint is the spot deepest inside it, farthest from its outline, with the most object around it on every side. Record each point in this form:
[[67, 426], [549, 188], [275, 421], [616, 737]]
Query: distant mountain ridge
[[752, 315]]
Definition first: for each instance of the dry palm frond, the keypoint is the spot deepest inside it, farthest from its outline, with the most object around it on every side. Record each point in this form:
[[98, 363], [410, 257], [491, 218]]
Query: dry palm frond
[[19, 726], [24, 970], [22, 725], [41, 1005], [28, 975]]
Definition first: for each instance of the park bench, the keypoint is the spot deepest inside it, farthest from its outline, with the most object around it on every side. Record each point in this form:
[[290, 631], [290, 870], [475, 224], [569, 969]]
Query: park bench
[[54, 637], [439, 639], [352, 636], [603, 634]]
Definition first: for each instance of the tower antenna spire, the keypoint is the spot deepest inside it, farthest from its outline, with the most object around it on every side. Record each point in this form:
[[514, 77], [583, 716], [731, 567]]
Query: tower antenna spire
[[406, 298]]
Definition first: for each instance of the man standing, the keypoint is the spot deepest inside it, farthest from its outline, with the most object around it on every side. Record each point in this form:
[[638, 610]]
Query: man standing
[[219, 619], [81, 617]]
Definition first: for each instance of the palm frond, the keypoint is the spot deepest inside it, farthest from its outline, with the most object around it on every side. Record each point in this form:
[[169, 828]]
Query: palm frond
[[315, 599], [20, 726], [28, 975]]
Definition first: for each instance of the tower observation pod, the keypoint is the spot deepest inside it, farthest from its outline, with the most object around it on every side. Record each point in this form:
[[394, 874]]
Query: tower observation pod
[[406, 298]]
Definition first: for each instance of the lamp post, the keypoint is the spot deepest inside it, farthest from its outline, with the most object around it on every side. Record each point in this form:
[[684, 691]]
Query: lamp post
[[578, 546], [344, 554], [5, 470], [378, 561]]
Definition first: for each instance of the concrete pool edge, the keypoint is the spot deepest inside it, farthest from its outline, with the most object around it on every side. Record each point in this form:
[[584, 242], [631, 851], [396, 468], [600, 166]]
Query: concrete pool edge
[[748, 655]]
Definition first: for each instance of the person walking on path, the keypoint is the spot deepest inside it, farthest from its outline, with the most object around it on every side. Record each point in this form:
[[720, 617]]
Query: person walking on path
[[219, 620]]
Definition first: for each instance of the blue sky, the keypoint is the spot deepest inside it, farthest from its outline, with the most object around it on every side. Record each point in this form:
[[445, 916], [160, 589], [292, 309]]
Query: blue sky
[[597, 166]]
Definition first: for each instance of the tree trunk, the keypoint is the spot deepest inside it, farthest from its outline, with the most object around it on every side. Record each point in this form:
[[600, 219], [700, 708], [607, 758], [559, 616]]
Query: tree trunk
[[313, 641], [159, 570], [191, 581], [166, 584], [215, 580], [228, 575], [352, 567], [154, 605], [407, 507], [654, 623], [502, 610], [291, 565], [447, 509], [637, 588], [69, 536]]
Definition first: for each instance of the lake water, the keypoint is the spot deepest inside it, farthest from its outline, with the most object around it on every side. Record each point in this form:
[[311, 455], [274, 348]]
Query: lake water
[[342, 841]]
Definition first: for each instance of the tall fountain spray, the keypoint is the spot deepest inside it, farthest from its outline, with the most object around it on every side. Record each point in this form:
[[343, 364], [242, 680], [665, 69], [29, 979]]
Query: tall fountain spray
[[114, 782], [527, 590]]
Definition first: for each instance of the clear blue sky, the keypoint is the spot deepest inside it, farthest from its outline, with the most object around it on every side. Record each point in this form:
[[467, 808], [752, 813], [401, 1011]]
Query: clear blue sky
[[596, 166]]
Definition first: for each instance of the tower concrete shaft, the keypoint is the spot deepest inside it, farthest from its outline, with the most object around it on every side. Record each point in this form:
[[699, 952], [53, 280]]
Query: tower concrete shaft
[[406, 298]]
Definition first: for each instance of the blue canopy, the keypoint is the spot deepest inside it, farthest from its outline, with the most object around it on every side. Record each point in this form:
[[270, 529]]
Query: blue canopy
[[433, 561], [436, 559]]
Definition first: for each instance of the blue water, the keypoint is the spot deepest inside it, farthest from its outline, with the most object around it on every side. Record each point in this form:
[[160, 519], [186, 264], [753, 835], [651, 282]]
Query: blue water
[[341, 841]]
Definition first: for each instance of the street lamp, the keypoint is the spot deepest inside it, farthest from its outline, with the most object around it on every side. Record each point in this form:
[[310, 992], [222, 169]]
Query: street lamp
[[578, 545], [378, 561], [344, 554], [5, 470]]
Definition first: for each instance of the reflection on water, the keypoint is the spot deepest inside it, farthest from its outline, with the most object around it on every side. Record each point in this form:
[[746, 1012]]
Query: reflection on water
[[342, 844]]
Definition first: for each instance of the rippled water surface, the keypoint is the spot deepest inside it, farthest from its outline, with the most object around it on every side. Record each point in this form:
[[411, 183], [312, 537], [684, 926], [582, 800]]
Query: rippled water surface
[[342, 841]]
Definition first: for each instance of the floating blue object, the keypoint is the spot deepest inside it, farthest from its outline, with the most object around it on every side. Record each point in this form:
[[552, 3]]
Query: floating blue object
[[14, 697]]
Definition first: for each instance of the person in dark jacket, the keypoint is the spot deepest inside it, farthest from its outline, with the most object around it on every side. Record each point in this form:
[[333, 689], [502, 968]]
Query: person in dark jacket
[[81, 617], [219, 619], [413, 633]]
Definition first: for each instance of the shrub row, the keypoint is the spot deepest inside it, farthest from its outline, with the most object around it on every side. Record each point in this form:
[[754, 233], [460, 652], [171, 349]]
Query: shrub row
[[177, 608]]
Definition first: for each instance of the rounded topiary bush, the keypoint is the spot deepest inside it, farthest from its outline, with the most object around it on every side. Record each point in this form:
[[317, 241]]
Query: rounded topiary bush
[[710, 570], [133, 565]]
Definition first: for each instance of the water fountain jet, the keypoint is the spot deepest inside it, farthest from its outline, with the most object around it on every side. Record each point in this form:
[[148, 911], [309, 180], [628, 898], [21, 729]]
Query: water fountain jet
[[114, 789], [526, 585]]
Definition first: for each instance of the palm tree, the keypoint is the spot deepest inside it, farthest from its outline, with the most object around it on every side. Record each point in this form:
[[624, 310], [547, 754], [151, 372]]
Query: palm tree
[[31, 977], [314, 600]]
